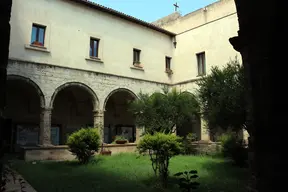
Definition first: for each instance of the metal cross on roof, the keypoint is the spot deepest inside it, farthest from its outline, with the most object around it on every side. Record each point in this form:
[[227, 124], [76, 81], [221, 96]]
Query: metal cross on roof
[[176, 6]]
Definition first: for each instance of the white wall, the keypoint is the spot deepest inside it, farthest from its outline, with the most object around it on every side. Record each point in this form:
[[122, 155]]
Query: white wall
[[213, 39], [204, 31], [69, 27]]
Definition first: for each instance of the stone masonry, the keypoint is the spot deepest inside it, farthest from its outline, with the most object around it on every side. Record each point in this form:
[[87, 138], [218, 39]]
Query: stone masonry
[[45, 124], [99, 122], [50, 78]]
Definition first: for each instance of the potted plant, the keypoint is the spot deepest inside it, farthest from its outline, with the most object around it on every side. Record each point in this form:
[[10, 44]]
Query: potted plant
[[119, 139], [37, 43], [105, 151], [169, 71], [137, 64]]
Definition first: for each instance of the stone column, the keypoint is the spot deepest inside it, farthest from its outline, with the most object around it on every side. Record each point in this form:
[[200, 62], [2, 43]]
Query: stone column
[[245, 136], [174, 130], [139, 132], [99, 123], [204, 130], [45, 127]]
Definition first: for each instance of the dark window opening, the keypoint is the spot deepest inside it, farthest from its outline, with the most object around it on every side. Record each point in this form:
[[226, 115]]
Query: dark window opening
[[201, 63], [136, 55], [168, 63]]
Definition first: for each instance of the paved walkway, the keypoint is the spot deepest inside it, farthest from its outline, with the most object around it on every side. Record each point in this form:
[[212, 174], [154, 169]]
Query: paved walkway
[[16, 183]]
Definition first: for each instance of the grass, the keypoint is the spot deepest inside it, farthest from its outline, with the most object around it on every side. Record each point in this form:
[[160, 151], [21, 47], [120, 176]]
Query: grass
[[128, 172]]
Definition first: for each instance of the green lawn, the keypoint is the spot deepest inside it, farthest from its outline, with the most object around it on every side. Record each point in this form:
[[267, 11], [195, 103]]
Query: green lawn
[[128, 172]]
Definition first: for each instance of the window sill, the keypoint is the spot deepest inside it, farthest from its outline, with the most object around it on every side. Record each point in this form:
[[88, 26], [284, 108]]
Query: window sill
[[137, 68], [201, 75], [37, 48], [94, 59]]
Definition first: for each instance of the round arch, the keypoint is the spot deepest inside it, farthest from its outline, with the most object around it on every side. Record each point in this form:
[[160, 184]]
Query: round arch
[[158, 93], [186, 92], [118, 90], [191, 94], [118, 120], [95, 100], [30, 82]]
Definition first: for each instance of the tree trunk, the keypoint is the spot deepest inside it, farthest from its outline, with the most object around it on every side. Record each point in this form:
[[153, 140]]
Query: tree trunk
[[5, 12], [256, 42]]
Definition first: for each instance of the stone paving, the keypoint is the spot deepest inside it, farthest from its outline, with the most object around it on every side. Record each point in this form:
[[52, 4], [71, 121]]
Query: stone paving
[[16, 183]]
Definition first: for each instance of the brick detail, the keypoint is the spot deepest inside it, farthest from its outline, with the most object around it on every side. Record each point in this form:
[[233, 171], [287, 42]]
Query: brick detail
[[45, 127]]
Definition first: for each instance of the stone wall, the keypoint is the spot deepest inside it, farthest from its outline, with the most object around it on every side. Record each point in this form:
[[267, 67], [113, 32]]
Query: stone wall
[[62, 153], [206, 148], [50, 79]]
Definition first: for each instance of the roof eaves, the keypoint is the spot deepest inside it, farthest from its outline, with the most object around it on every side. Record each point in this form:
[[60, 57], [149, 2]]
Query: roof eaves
[[124, 16]]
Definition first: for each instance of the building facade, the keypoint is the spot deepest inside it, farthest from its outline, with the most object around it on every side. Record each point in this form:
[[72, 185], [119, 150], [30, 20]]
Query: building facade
[[75, 64]]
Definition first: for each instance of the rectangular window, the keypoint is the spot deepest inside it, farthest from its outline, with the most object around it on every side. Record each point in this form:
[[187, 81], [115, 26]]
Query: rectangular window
[[201, 63], [94, 47], [38, 35], [136, 55], [168, 63]]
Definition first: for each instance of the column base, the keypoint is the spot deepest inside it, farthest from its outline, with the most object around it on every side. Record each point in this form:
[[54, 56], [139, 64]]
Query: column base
[[45, 145]]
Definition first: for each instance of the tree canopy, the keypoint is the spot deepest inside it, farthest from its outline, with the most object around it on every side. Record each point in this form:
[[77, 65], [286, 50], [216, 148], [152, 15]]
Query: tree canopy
[[161, 111], [222, 97]]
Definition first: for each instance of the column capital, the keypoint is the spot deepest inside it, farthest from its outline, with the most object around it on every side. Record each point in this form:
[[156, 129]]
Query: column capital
[[46, 108], [238, 43], [98, 113]]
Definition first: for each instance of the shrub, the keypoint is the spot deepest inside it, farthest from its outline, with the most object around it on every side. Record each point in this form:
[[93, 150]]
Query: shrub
[[84, 143], [191, 137], [161, 147], [233, 148], [188, 148], [161, 111]]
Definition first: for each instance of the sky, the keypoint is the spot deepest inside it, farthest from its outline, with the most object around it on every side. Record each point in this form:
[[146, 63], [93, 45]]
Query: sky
[[151, 10]]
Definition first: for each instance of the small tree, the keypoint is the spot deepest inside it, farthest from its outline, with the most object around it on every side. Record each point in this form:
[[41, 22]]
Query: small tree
[[161, 147], [222, 97], [160, 112], [84, 143]]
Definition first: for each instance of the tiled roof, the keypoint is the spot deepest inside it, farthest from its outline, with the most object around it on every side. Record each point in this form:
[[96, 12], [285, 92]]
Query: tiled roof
[[123, 16]]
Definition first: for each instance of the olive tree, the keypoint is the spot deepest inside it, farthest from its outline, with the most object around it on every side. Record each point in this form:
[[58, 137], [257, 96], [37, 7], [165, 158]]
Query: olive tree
[[161, 111], [222, 97]]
